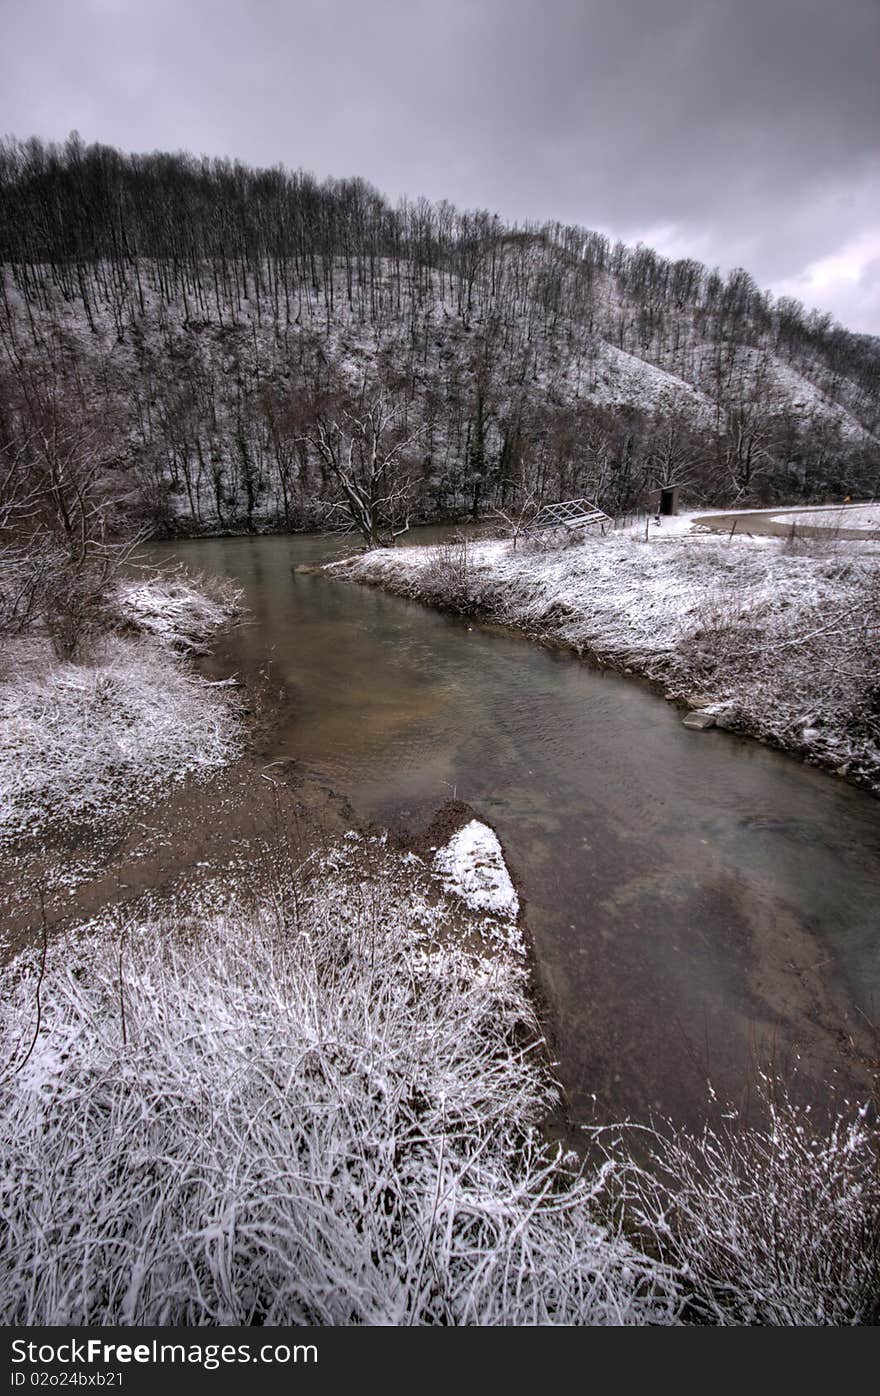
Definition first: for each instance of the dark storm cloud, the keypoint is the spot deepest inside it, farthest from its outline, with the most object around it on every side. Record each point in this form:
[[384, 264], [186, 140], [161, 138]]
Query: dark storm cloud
[[737, 131]]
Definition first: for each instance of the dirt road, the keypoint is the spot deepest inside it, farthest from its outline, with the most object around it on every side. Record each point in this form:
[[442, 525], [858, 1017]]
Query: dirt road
[[779, 523]]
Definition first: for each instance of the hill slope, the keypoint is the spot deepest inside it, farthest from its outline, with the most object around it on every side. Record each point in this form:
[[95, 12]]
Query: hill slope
[[201, 322]]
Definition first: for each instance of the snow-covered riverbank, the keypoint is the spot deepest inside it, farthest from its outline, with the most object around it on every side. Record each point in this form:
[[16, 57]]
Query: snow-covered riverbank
[[775, 638], [307, 1083], [83, 741], [324, 1107], [324, 1110]]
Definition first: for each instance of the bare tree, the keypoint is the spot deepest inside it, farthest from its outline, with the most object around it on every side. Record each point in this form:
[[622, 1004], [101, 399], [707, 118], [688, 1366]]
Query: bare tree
[[21, 568], [62, 539], [745, 449], [364, 453], [517, 516], [673, 452]]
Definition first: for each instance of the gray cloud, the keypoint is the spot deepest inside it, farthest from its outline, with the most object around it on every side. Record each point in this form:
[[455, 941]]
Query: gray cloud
[[740, 131]]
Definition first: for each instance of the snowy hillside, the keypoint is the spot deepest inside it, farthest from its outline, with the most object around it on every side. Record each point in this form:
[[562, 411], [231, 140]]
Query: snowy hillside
[[205, 327]]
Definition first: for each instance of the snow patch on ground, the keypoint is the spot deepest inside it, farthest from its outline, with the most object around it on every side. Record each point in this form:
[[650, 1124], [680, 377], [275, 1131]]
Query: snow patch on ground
[[806, 398], [473, 867], [666, 525], [621, 378]]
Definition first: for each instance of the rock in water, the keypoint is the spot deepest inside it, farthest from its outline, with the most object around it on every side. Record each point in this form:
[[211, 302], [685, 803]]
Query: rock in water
[[699, 722]]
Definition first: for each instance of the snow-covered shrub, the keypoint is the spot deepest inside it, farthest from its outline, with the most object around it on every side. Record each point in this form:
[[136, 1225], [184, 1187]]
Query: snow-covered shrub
[[446, 577], [723, 626], [826, 544], [180, 610], [23, 573], [321, 1112], [70, 598], [82, 741], [773, 1225]]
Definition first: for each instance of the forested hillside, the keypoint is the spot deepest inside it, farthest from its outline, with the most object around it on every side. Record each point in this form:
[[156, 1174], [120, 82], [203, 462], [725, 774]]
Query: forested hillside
[[208, 347]]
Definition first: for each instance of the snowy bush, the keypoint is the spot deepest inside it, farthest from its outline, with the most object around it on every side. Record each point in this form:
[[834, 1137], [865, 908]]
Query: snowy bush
[[80, 742], [180, 610], [446, 578], [774, 1225], [321, 1112]]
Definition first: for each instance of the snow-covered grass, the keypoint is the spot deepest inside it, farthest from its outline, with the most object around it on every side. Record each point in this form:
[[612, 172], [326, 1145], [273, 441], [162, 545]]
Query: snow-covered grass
[[777, 1225], [180, 610], [326, 1108], [81, 742], [321, 1111], [780, 641]]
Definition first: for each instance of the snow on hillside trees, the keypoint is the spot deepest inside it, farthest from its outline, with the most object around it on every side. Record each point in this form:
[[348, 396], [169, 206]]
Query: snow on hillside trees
[[210, 315]]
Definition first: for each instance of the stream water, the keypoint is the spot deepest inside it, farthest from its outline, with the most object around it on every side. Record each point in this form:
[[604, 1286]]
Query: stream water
[[699, 904]]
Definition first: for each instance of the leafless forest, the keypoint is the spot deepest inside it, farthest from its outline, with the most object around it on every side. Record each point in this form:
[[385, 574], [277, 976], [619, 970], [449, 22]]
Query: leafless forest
[[198, 333]]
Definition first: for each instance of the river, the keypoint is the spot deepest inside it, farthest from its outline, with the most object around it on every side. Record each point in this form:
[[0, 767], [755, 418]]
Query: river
[[699, 905]]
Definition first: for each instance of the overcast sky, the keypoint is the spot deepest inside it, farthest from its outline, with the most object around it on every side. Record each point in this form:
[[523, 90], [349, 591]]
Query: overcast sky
[[742, 132]]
